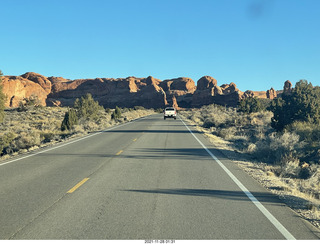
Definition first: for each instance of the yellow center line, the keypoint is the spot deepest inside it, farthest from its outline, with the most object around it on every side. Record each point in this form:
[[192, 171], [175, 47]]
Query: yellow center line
[[78, 185], [118, 153]]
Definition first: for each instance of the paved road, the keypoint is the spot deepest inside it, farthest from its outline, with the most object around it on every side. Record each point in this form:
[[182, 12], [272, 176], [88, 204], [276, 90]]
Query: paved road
[[147, 179]]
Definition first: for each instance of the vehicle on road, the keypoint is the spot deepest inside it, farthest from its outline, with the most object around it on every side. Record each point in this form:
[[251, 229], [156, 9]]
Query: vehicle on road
[[169, 112]]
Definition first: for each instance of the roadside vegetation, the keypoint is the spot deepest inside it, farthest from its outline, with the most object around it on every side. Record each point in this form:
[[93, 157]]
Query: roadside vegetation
[[279, 139], [31, 126]]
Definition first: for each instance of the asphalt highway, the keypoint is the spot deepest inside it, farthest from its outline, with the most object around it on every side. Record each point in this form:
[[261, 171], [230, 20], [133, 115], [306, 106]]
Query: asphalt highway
[[149, 179]]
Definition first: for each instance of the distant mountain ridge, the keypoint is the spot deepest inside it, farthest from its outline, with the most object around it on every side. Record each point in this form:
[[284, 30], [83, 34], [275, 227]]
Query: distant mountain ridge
[[148, 92]]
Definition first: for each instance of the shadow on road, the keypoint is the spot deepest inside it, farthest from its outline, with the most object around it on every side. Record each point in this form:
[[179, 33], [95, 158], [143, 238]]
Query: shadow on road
[[152, 131], [183, 154], [264, 197]]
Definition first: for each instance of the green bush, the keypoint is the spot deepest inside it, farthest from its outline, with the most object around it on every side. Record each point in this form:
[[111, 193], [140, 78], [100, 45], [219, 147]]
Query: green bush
[[250, 105], [87, 108], [302, 104], [116, 113], [70, 120]]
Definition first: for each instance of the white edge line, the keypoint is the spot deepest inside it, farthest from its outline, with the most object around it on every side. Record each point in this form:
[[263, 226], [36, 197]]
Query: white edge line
[[254, 200], [68, 143]]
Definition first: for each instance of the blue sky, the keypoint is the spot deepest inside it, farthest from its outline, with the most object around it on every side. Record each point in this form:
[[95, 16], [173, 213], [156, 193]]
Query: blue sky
[[256, 44]]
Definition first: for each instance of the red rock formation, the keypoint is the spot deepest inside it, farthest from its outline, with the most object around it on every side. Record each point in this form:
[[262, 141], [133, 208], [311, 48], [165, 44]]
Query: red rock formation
[[260, 94], [206, 88], [287, 87], [209, 92], [247, 94], [178, 91], [16, 88], [206, 82], [39, 79], [271, 94], [174, 103], [122, 92], [128, 92]]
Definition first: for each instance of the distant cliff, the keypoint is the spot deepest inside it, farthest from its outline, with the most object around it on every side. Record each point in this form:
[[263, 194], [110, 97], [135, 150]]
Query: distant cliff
[[126, 92]]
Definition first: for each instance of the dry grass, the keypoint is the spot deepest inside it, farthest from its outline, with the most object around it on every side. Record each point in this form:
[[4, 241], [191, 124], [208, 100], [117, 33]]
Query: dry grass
[[37, 127]]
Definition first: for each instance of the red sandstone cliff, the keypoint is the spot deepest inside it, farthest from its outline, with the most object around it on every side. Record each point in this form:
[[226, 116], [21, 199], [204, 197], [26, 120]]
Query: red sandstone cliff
[[16, 88], [127, 92]]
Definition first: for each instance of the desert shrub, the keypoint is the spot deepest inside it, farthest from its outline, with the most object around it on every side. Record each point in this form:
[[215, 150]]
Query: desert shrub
[[138, 108], [70, 120], [210, 122], [47, 137], [309, 133], [5, 141], [262, 118], [217, 116], [124, 110], [286, 141], [277, 148], [252, 147], [90, 126], [283, 146], [196, 117], [227, 133], [87, 108], [116, 113], [29, 102], [314, 180], [26, 140], [290, 168]]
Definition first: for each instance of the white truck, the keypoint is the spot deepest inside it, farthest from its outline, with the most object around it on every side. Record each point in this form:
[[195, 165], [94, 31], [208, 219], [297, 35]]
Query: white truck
[[169, 112]]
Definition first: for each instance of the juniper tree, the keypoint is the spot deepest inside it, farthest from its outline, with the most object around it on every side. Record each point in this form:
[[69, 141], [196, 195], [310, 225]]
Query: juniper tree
[[250, 105], [302, 104], [70, 120], [87, 108], [116, 113]]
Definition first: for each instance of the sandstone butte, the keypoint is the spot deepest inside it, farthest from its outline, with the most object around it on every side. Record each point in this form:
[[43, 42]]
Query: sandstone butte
[[127, 92]]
